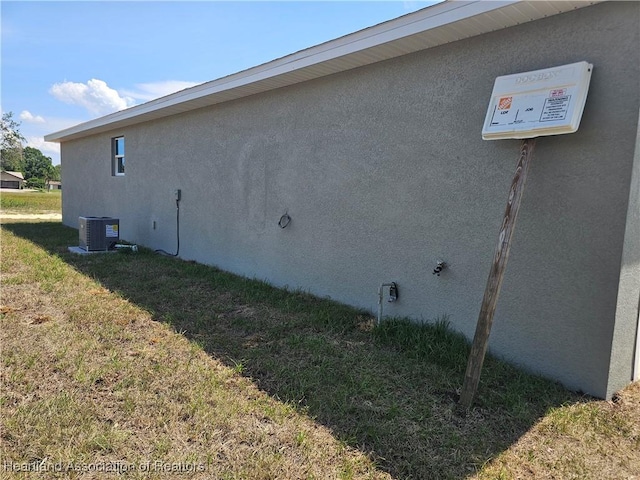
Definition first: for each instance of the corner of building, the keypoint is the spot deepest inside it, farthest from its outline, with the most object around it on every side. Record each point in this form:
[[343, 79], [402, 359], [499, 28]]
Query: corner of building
[[624, 364]]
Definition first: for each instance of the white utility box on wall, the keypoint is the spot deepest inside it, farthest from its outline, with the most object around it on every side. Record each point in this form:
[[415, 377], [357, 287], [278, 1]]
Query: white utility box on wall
[[538, 103]]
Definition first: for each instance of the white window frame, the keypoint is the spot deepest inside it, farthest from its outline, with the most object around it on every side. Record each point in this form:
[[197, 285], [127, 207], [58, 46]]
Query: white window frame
[[117, 158]]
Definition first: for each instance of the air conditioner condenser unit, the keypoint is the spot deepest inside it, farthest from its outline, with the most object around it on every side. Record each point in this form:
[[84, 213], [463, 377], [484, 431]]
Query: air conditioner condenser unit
[[98, 233]]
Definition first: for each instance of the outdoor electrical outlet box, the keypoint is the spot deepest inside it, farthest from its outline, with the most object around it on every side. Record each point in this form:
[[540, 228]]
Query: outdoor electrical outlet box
[[178, 194]]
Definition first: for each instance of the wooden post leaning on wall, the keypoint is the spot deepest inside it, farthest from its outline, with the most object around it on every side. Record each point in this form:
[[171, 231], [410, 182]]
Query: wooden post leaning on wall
[[496, 275]]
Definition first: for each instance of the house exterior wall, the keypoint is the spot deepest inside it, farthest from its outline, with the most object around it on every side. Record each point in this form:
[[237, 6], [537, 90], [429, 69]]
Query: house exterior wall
[[383, 172]]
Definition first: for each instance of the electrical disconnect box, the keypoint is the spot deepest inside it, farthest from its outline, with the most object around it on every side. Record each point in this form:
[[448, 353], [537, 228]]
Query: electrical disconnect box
[[98, 233]]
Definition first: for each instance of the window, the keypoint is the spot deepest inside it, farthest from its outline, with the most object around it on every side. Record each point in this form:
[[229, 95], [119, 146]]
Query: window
[[118, 156]]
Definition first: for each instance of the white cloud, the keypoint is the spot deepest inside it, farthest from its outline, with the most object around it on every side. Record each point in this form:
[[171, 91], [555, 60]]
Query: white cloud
[[96, 96], [150, 91], [48, 148], [100, 99], [27, 116]]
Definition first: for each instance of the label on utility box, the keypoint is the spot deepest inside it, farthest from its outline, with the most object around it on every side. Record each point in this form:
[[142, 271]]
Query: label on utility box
[[111, 231], [534, 104]]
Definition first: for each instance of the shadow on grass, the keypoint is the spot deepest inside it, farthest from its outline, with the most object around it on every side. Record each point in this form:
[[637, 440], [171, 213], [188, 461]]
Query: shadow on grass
[[389, 391]]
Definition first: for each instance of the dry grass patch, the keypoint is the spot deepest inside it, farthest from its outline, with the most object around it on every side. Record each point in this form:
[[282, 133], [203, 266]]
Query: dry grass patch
[[585, 440], [99, 382], [159, 359]]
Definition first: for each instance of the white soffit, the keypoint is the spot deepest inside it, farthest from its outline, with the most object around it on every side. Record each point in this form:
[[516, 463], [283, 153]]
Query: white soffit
[[432, 26]]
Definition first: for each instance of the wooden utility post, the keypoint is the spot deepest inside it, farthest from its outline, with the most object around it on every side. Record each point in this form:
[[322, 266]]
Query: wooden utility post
[[494, 282]]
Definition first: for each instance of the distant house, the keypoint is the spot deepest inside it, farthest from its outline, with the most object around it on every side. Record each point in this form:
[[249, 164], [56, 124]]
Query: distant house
[[54, 185], [368, 149], [12, 180]]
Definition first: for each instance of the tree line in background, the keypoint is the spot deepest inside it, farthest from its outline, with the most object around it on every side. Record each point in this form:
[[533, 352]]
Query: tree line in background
[[37, 169]]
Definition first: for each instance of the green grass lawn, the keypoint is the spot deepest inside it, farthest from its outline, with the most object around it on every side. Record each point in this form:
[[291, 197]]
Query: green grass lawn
[[138, 358], [31, 202]]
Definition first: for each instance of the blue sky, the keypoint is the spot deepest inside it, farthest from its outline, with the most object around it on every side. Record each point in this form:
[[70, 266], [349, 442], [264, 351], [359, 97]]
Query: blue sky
[[64, 63]]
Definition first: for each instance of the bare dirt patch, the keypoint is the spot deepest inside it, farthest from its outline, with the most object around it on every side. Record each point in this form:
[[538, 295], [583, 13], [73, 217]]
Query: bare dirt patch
[[30, 216]]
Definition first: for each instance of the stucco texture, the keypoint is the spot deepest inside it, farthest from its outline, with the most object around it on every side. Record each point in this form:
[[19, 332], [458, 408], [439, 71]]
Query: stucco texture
[[383, 172]]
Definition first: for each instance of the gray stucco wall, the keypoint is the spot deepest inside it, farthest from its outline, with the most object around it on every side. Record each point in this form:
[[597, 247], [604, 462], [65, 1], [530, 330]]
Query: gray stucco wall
[[384, 172]]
